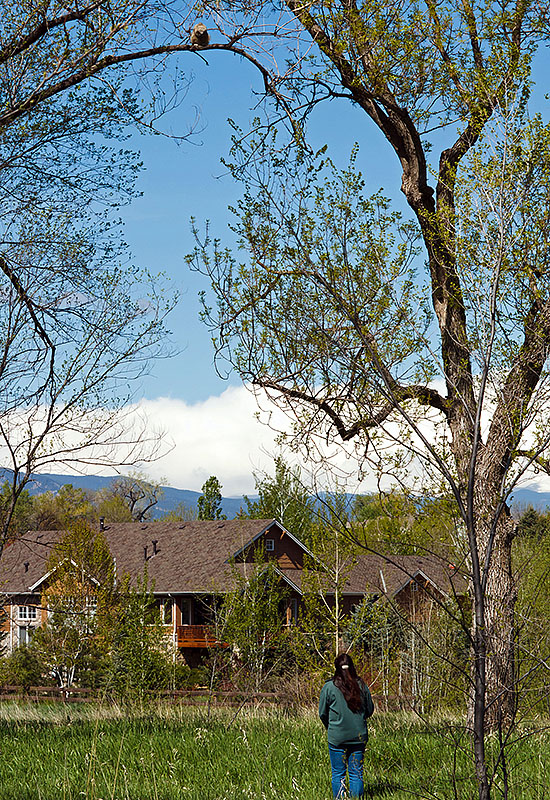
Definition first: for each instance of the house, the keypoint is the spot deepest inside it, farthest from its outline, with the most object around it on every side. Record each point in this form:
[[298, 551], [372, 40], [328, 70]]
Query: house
[[188, 563]]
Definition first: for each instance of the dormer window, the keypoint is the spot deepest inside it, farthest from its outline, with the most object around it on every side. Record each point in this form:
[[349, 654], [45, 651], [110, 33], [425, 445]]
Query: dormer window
[[269, 545]]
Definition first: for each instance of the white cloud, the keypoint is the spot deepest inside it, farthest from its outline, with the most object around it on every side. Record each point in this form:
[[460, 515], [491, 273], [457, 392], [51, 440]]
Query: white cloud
[[223, 436], [220, 436]]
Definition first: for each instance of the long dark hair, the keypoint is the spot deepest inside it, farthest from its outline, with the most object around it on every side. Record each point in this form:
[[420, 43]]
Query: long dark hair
[[345, 678]]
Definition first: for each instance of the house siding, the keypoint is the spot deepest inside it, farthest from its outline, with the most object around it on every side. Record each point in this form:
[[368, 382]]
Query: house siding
[[287, 553], [12, 624]]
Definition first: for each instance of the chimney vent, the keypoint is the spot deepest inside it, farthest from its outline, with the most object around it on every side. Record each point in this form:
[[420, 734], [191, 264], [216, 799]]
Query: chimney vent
[[26, 565], [102, 523], [145, 553], [155, 548]]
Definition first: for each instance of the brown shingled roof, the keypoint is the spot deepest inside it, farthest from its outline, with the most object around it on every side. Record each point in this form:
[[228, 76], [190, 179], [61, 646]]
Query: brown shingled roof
[[373, 573], [377, 573], [190, 557]]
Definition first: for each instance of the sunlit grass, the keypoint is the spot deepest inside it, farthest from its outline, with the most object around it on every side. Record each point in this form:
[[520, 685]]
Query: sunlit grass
[[56, 752]]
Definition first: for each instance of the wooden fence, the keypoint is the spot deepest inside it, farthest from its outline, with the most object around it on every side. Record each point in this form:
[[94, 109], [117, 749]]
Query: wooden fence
[[51, 693], [73, 694], [190, 697]]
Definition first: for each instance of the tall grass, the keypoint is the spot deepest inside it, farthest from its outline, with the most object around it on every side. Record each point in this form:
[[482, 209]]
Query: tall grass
[[55, 753]]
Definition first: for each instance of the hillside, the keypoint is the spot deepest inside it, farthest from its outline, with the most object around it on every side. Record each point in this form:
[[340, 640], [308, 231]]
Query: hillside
[[172, 498]]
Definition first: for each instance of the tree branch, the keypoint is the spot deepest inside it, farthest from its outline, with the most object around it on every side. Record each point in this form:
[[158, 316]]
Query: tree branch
[[443, 52], [422, 394], [29, 304], [539, 460], [18, 46], [96, 65], [506, 425], [381, 106]]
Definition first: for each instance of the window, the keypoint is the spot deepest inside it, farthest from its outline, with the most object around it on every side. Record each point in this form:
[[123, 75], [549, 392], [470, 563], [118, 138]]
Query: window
[[187, 611], [24, 634], [89, 612], [167, 612], [269, 545], [27, 613], [91, 606], [292, 611]]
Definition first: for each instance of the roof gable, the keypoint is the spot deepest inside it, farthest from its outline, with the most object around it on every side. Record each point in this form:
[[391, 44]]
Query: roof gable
[[389, 575], [413, 576], [42, 580], [273, 525]]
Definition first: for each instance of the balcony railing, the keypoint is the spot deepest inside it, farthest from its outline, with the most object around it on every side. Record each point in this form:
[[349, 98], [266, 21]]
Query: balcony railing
[[194, 636]]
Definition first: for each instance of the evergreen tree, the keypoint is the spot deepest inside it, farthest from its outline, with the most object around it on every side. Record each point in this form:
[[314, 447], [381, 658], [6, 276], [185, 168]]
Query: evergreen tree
[[533, 524]]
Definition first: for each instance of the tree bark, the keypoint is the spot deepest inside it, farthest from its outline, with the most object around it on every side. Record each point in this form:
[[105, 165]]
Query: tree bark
[[497, 623]]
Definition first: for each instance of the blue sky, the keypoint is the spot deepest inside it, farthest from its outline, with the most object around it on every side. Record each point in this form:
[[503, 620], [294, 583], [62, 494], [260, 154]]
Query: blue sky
[[210, 422], [185, 180]]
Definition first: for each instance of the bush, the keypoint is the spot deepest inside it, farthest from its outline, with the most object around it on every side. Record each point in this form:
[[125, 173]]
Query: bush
[[21, 668], [198, 676], [140, 662], [182, 676]]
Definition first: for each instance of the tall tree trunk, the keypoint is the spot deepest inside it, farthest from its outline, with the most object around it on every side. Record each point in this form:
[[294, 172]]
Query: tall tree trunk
[[497, 585]]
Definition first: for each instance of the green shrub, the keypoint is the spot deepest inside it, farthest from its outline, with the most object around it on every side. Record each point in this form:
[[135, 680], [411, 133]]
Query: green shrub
[[140, 661], [21, 668]]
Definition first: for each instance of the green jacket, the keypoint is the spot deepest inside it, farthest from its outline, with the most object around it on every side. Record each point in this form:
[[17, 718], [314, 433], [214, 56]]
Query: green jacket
[[343, 725]]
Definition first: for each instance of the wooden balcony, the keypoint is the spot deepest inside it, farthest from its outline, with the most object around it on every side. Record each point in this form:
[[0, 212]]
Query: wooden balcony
[[194, 636]]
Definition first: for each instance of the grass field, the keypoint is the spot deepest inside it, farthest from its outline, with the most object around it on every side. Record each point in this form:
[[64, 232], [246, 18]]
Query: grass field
[[58, 753]]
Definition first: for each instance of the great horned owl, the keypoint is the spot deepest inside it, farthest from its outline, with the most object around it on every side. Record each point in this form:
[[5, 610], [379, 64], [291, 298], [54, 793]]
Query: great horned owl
[[199, 35]]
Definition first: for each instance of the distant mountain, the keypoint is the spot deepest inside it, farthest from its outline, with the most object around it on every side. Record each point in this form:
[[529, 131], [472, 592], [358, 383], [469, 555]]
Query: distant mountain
[[171, 499], [523, 498]]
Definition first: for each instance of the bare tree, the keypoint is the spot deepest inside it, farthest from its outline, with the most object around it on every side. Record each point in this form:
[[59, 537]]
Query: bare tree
[[79, 324], [139, 494]]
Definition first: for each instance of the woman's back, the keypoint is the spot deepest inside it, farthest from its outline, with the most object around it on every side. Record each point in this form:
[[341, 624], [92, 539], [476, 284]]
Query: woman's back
[[344, 706], [343, 725]]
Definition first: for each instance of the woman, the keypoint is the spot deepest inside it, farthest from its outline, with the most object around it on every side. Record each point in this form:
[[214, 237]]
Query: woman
[[344, 706]]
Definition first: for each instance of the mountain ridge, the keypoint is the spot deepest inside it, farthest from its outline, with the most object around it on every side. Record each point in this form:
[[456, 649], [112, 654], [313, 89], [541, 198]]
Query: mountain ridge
[[172, 497]]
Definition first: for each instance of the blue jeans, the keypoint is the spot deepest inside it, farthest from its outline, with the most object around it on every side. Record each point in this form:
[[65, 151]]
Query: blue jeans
[[347, 757]]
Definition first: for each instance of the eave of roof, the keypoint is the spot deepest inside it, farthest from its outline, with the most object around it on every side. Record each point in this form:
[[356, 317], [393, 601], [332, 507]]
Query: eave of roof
[[290, 582], [413, 577], [50, 572]]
